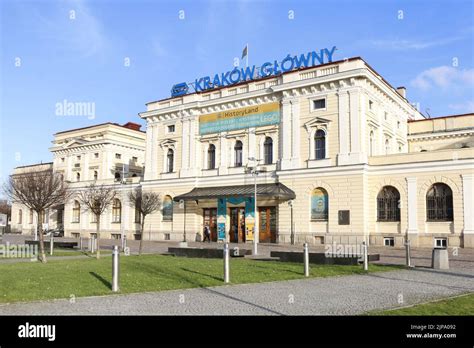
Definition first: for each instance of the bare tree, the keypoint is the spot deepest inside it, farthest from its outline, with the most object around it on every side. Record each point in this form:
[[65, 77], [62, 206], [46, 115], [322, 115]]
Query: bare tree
[[38, 190], [97, 198], [146, 203]]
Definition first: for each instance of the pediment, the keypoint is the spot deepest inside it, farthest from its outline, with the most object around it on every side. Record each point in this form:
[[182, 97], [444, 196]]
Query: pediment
[[74, 142], [315, 122]]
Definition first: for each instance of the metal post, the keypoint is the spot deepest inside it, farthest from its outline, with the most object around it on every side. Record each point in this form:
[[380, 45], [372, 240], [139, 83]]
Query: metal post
[[306, 260], [80, 243], [115, 269], [366, 258], [256, 227], [292, 225], [51, 244], [226, 262], [91, 241], [408, 253]]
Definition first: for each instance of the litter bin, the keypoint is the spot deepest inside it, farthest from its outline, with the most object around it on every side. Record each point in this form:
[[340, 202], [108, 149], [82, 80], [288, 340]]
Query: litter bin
[[439, 258]]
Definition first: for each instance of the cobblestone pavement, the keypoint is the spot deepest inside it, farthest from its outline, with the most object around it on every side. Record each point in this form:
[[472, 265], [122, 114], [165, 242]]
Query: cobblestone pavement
[[345, 295]]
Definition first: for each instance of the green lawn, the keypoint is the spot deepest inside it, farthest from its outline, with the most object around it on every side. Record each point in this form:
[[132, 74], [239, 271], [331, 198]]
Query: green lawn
[[88, 277], [462, 305]]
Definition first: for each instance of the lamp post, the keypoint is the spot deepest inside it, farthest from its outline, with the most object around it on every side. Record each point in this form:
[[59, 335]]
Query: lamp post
[[292, 231], [256, 234]]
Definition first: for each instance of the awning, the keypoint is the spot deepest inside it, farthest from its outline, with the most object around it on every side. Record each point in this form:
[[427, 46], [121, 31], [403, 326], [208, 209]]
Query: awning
[[277, 190]]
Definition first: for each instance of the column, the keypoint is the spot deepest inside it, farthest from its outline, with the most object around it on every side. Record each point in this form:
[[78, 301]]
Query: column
[[285, 135], [412, 207], [252, 145], [154, 152], [192, 146], [343, 123], [184, 146], [148, 151], [468, 203], [85, 172], [223, 151], [295, 133]]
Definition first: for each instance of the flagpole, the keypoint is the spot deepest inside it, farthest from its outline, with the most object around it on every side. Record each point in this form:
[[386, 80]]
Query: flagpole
[[247, 57]]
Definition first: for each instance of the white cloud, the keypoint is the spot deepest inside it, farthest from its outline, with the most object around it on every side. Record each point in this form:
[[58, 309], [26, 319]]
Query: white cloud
[[397, 44], [444, 77], [465, 107]]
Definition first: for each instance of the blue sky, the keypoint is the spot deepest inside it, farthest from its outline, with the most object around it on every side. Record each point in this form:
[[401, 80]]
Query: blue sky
[[50, 54]]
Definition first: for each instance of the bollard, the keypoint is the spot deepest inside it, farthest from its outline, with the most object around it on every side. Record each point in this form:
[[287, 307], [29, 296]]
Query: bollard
[[408, 253], [226, 262], [366, 257], [306, 260], [115, 269], [51, 244], [92, 244], [124, 243]]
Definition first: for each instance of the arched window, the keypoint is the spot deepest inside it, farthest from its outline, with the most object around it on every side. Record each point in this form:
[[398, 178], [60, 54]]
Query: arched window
[[31, 216], [439, 203], [320, 144], [387, 146], [20, 216], [116, 210], [78, 176], [96, 175], [170, 161], [117, 176], [211, 157], [371, 145], [268, 150], [388, 204], [138, 214], [76, 212], [319, 204], [167, 210], [238, 154]]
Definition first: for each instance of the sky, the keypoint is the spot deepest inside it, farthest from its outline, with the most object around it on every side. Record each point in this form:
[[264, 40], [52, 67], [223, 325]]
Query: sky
[[115, 56]]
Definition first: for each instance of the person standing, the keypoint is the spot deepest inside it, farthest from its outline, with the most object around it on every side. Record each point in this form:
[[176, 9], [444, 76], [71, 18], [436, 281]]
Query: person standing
[[207, 233]]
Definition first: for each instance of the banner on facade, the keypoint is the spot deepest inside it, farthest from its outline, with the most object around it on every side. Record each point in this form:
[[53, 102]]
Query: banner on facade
[[251, 116]]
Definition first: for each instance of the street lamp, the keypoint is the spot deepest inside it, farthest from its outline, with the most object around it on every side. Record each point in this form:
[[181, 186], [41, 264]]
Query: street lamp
[[292, 231], [254, 171]]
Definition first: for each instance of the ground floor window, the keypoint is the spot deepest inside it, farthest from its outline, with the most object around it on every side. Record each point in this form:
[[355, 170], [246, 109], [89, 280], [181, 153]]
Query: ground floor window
[[389, 241], [441, 243]]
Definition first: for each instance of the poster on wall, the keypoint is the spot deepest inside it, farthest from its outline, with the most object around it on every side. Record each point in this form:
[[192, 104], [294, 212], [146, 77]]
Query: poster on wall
[[221, 218], [251, 116]]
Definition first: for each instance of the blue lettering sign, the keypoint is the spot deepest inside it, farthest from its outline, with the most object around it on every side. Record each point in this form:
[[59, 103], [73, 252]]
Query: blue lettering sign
[[237, 75]]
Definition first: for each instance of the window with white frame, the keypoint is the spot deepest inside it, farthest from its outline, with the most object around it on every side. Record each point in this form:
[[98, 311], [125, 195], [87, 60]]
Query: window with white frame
[[389, 241], [320, 144], [387, 146], [318, 104], [372, 143], [170, 161], [441, 242], [171, 128], [238, 154], [211, 157], [268, 151]]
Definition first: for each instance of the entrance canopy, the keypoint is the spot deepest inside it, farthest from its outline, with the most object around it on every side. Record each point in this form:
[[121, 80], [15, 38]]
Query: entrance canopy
[[276, 190]]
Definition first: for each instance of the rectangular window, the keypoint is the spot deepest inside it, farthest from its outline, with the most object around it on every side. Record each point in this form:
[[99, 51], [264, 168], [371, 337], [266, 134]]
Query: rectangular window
[[134, 159], [171, 128], [118, 156], [441, 243], [371, 105], [62, 160], [96, 155], [167, 236], [319, 104], [78, 158], [389, 241]]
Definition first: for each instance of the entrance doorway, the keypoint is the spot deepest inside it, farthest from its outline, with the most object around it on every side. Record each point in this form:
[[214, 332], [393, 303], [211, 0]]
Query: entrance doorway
[[237, 225], [210, 218], [267, 224]]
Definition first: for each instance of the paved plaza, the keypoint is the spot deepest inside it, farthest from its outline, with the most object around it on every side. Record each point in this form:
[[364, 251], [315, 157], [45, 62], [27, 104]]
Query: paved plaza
[[343, 295]]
